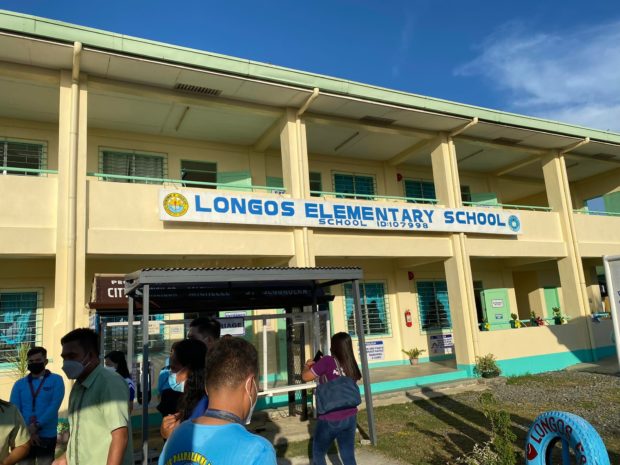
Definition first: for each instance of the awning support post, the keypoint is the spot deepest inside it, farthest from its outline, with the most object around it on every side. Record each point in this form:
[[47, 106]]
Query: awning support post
[[359, 327], [265, 357], [130, 329], [145, 374]]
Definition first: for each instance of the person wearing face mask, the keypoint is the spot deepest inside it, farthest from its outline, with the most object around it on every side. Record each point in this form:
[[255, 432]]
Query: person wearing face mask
[[187, 367], [99, 422], [38, 397], [115, 361], [219, 436], [339, 425]]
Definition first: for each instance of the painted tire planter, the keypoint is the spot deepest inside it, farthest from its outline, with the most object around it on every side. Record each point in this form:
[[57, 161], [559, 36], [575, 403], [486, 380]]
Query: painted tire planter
[[574, 432]]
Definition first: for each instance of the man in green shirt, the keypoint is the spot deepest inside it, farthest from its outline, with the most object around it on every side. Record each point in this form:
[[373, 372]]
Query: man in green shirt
[[14, 436], [99, 422]]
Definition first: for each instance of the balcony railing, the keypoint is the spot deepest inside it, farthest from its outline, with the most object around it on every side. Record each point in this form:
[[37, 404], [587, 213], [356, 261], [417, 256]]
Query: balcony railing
[[508, 206], [186, 183], [585, 211], [342, 195], [11, 169]]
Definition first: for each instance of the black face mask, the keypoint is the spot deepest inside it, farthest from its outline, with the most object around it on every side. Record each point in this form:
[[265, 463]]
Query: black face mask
[[36, 368]]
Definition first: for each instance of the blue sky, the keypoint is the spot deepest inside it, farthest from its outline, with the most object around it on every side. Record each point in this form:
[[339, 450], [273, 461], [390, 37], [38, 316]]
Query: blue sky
[[554, 59]]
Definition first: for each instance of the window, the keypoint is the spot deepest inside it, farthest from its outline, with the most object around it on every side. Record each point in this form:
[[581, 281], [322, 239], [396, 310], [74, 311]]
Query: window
[[198, 171], [354, 184], [425, 190], [27, 155], [315, 184], [375, 310], [19, 322], [419, 189], [434, 306], [131, 164]]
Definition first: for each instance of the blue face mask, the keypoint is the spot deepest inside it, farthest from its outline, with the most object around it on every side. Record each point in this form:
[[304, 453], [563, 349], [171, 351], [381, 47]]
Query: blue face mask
[[174, 384]]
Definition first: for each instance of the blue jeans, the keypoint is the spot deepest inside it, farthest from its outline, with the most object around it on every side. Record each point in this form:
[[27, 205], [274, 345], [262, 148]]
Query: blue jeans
[[343, 432]]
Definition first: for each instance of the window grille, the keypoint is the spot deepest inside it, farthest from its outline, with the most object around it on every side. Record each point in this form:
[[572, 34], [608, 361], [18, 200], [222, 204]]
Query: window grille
[[199, 171], [22, 154], [420, 189], [115, 335], [133, 165], [21, 321], [357, 186], [375, 308], [434, 307]]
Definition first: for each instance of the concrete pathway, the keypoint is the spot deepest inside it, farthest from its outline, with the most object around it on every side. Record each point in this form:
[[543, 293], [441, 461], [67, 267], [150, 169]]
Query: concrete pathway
[[363, 456]]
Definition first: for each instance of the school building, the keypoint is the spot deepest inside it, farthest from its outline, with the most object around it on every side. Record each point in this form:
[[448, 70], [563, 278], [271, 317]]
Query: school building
[[119, 153]]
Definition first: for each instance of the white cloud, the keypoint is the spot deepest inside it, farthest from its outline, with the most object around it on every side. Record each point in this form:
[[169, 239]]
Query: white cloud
[[571, 76]]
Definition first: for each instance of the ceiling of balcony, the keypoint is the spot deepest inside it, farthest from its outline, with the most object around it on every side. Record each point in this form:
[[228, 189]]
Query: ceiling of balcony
[[138, 95]]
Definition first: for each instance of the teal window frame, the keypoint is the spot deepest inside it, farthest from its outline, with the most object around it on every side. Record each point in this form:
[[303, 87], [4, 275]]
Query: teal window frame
[[200, 172], [20, 321], [375, 308], [133, 177], [425, 189], [355, 185], [433, 305], [29, 155]]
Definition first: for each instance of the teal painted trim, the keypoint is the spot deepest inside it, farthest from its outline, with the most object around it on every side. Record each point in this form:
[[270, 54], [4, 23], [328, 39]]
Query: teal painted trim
[[603, 352], [469, 369], [12, 169], [224, 186], [409, 383], [68, 33], [596, 213]]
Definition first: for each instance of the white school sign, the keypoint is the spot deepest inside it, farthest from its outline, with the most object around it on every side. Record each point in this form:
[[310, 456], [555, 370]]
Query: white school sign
[[233, 208]]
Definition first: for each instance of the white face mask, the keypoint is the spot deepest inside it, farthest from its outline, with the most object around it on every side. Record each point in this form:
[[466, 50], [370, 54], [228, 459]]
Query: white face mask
[[108, 367], [74, 369], [248, 419]]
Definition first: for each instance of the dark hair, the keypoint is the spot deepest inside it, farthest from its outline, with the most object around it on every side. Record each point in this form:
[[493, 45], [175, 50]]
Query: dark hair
[[207, 326], [85, 337], [342, 350], [191, 354], [230, 362], [116, 356], [37, 350]]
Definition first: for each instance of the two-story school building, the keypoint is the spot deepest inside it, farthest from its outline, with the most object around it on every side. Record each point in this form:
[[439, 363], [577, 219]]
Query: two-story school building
[[471, 225]]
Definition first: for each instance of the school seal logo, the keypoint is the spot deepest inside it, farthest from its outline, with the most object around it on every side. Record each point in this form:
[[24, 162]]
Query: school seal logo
[[513, 223], [176, 204]]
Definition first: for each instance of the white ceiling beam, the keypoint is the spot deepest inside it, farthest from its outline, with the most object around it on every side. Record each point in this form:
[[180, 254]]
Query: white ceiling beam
[[266, 139], [23, 74], [411, 152], [517, 165], [107, 86], [368, 127]]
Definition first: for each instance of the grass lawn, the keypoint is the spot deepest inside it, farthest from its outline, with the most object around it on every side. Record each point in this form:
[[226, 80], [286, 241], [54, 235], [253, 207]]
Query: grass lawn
[[436, 431]]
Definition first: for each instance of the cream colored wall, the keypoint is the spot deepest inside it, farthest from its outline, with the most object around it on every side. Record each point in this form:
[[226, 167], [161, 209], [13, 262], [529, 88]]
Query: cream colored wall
[[526, 342], [595, 186], [33, 275], [597, 235]]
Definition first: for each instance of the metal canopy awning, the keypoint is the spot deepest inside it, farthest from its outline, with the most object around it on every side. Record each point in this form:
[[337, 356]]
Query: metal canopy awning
[[205, 290]]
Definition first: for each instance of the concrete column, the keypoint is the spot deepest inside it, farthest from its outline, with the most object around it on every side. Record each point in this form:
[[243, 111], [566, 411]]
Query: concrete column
[[570, 267], [458, 267], [296, 177], [391, 184], [257, 168], [81, 286]]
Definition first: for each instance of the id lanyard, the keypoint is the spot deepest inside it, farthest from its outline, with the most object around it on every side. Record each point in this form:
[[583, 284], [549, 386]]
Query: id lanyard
[[36, 394], [223, 415]]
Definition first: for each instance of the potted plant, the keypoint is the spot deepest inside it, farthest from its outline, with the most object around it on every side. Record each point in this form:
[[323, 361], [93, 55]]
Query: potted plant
[[515, 323], [558, 318], [414, 355], [486, 366], [536, 320]]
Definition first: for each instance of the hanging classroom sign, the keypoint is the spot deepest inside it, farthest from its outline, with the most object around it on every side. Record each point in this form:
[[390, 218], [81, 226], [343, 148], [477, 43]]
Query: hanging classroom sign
[[234, 208]]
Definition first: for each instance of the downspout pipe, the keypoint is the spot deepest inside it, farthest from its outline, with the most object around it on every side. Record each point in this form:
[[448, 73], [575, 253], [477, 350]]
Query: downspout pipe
[[306, 105], [72, 185]]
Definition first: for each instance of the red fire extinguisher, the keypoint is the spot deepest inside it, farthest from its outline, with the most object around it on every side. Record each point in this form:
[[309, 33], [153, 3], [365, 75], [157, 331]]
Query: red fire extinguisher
[[408, 320]]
